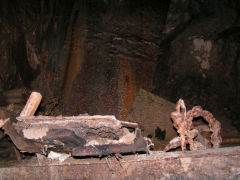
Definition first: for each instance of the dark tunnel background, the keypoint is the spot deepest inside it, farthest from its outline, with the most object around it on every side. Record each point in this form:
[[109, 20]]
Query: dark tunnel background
[[95, 55]]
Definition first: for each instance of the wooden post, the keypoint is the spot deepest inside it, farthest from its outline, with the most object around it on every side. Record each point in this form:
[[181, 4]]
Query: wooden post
[[32, 104]]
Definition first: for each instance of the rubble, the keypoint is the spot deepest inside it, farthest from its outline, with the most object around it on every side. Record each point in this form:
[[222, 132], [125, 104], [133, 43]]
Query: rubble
[[182, 121], [78, 135]]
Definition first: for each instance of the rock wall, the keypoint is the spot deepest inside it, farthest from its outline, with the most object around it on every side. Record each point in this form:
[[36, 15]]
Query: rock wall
[[120, 53], [95, 55], [202, 61]]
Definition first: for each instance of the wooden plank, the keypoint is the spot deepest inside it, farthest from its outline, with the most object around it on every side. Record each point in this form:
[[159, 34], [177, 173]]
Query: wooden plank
[[221, 163]]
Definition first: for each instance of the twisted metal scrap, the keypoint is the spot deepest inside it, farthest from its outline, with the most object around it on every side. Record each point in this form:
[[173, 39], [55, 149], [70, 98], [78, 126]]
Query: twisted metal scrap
[[182, 121]]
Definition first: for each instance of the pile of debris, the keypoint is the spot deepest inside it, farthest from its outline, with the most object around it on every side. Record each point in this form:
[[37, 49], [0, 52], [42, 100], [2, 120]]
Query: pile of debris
[[196, 128], [98, 135], [81, 135]]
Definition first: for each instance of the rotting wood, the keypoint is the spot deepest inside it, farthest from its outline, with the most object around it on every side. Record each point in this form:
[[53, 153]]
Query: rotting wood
[[19, 141], [32, 104], [80, 135], [139, 145], [77, 135]]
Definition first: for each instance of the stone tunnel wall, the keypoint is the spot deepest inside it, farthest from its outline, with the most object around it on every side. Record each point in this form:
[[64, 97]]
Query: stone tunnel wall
[[95, 55]]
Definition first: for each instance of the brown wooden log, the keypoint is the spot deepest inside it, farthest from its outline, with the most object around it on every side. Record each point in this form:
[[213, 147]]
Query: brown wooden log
[[32, 104]]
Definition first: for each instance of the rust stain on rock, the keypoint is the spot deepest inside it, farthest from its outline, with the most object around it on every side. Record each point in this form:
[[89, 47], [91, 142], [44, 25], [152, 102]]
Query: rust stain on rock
[[128, 86]]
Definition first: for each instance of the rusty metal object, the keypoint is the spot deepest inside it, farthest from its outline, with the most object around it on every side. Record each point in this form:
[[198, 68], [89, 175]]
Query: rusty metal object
[[182, 121], [221, 163], [214, 125], [82, 135]]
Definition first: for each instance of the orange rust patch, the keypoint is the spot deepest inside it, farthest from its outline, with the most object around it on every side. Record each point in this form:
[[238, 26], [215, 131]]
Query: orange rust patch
[[128, 90]]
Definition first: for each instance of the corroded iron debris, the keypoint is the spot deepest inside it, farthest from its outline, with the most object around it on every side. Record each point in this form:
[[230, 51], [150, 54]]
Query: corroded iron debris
[[81, 135], [182, 121]]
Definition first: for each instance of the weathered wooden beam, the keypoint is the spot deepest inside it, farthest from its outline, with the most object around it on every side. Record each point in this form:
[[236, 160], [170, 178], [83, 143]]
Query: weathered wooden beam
[[220, 163], [82, 135], [79, 135], [32, 104]]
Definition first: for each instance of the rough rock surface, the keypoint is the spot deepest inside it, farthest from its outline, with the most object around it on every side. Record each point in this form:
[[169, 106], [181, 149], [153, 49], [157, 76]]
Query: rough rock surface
[[94, 56]]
